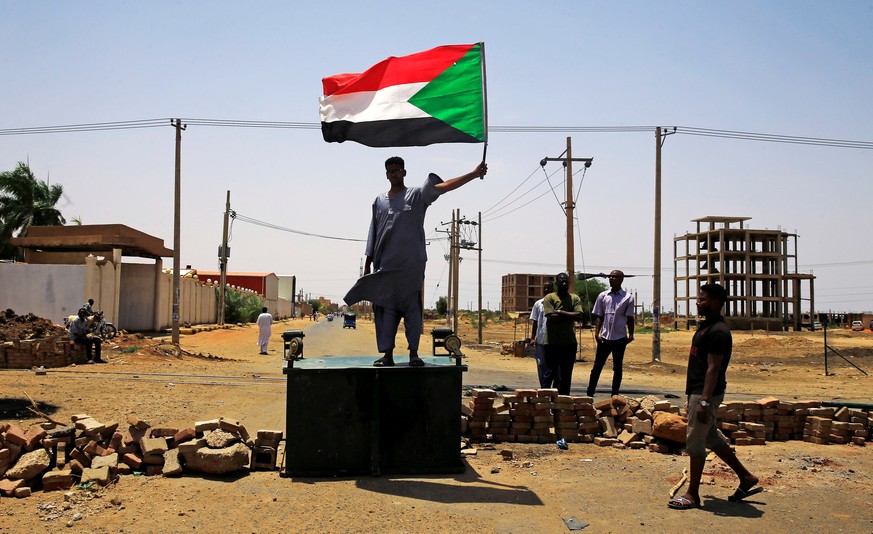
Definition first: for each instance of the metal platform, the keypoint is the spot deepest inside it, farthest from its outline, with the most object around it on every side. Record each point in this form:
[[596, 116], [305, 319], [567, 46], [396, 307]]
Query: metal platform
[[345, 417]]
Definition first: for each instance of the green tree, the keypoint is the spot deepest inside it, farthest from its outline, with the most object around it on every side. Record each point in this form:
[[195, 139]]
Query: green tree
[[25, 202], [442, 306], [588, 291], [315, 303], [241, 307]]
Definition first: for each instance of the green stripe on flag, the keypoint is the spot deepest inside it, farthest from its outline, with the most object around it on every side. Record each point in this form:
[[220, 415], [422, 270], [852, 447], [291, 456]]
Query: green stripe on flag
[[455, 96]]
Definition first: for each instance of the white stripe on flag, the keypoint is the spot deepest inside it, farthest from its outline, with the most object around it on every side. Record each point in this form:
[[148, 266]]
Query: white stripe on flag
[[385, 104]]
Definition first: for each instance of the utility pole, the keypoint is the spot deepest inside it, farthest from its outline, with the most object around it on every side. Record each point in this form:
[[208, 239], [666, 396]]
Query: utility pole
[[456, 264], [222, 262], [448, 257], [568, 160], [177, 215], [656, 279], [480, 277]]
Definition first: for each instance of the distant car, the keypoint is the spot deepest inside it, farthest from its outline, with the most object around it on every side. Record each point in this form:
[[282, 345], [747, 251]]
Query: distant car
[[857, 326]]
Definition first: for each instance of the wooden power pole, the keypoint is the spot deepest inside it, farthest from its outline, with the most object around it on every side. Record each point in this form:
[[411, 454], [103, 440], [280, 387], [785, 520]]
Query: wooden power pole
[[567, 159], [177, 215], [660, 136], [222, 263], [480, 277]]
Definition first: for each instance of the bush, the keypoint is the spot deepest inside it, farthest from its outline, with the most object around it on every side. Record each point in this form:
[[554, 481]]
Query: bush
[[241, 307]]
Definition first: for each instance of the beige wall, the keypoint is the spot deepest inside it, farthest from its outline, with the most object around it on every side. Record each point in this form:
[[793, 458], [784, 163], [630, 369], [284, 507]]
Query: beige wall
[[49, 291], [141, 294]]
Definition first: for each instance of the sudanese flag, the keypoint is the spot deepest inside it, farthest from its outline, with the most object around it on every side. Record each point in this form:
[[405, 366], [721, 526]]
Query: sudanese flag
[[436, 96]]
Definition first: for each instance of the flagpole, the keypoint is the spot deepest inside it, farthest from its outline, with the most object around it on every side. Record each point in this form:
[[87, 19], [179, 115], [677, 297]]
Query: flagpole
[[484, 103]]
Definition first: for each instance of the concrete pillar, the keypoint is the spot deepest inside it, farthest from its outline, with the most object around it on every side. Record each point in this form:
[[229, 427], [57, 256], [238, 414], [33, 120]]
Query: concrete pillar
[[116, 293], [156, 311], [92, 280]]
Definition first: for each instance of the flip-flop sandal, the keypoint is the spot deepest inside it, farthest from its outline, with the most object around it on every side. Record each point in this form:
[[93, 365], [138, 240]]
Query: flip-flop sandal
[[742, 494], [383, 362], [682, 503], [416, 362]]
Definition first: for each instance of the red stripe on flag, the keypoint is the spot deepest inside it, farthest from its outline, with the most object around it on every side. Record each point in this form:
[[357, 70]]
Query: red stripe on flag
[[418, 67]]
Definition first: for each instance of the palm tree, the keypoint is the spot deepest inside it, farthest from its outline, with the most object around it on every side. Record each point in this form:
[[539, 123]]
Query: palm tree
[[25, 202]]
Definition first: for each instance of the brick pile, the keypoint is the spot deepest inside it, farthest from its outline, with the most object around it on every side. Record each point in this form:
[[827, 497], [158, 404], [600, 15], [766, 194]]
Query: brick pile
[[53, 457], [48, 352], [543, 416]]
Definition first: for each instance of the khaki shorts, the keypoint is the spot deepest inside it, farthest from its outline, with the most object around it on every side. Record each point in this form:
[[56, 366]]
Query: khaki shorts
[[702, 436]]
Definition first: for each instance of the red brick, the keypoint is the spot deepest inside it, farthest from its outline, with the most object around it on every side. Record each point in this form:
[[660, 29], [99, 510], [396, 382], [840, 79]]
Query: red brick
[[8, 487], [15, 435], [184, 435], [132, 460], [34, 435], [80, 457]]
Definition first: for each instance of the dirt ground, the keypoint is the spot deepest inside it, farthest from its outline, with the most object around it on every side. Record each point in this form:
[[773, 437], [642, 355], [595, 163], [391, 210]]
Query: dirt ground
[[812, 488]]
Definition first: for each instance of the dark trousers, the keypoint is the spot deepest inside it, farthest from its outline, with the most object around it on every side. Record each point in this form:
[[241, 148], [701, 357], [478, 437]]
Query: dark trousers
[[88, 341], [560, 360], [604, 348]]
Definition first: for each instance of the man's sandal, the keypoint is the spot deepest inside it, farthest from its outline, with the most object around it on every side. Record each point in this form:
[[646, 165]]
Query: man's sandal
[[682, 503], [742, 494]]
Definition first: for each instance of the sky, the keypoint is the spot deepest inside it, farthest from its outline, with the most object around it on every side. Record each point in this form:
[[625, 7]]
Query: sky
[[793, 68]]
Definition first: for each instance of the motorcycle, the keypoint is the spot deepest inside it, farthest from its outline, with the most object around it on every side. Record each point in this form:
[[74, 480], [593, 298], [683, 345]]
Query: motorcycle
[[103, 328], [97, 325]]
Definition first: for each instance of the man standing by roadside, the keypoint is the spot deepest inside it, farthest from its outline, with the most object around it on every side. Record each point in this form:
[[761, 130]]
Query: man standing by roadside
[[613, 330], [265, 321], [537, 339], [705, 385], [562, 309]]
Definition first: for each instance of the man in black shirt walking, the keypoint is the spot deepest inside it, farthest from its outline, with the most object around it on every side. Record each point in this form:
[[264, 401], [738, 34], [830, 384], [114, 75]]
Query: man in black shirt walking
[[705, 386]]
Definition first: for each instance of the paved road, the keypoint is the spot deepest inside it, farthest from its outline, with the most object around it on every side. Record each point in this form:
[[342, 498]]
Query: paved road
[[329, 338]]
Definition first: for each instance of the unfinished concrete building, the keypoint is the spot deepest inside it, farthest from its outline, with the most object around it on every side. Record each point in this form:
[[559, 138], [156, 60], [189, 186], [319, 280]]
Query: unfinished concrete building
[[757, 267]]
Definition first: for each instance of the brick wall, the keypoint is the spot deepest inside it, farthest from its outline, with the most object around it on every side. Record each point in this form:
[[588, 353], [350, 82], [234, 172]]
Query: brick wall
[[48, 352]]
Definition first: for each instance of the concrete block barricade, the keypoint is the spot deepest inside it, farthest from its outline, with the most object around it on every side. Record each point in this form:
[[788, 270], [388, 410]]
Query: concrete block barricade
[[91, 451], [49, 457], [49, 352], [542, 416]]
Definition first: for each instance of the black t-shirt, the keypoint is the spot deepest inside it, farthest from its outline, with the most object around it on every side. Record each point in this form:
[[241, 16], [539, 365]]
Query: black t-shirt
[[712, 337]]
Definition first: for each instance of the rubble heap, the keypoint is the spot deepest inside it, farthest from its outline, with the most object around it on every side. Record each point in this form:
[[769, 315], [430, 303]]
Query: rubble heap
[[49, 456], [542, 416], [15, 327]]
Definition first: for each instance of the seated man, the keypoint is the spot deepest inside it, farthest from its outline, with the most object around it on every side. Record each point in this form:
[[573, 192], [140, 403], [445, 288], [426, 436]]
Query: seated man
[[79, 334]]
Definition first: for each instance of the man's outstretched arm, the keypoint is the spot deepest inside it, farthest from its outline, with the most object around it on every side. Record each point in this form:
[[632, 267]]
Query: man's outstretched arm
[[454, 183]]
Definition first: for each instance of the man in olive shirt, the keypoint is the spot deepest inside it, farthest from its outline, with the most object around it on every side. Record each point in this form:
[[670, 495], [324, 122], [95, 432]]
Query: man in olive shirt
[[562, 309]]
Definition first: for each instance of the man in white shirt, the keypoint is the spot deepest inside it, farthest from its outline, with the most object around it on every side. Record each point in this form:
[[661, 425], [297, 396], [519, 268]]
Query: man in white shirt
[[537, 339], [265, 321], [613, 330]]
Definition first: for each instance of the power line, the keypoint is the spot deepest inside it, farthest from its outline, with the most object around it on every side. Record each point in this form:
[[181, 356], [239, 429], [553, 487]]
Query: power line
[[510, 193], [87, 127], [242, 218], [546, 192], [237, 123]]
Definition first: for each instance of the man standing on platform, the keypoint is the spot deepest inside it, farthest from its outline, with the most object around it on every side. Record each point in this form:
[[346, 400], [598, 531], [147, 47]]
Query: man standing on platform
[[705, 385], [397, 256], [613, 330]]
